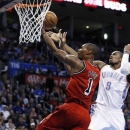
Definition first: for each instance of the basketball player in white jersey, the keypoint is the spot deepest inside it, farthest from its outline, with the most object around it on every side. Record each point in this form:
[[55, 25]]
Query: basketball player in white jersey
[[112, 92]]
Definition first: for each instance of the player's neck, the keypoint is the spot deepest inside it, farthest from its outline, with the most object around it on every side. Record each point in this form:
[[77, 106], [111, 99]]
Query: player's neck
[[90, 60], [115, 66]]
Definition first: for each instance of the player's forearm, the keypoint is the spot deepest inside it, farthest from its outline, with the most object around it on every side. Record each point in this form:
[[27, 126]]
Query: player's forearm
[[49, 41], [69, 50], [125, 64]]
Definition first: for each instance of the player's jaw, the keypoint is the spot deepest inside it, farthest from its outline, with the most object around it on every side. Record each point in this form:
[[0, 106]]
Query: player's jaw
[[81, 54], [110, 59]]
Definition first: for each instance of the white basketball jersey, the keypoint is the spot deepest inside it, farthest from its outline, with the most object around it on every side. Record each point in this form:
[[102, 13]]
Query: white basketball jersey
[[112, 89]]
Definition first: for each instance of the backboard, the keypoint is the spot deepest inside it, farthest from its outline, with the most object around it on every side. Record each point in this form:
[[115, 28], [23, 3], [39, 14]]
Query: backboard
[[6, 4]]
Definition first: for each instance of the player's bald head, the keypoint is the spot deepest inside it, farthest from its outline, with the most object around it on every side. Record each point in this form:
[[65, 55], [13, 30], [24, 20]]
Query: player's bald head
[[94, 49]]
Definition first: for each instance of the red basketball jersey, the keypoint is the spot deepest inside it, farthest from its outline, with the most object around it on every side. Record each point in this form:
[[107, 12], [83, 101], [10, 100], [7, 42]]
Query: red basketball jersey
[[81, 86]]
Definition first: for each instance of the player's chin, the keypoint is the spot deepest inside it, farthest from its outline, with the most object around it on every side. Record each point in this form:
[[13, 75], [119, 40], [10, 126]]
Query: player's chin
[[110, 62]]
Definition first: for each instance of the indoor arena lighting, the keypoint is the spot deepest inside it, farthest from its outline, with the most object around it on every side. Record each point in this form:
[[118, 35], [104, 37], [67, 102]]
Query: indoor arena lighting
[[87, 26], [105, 36], [108, 4]]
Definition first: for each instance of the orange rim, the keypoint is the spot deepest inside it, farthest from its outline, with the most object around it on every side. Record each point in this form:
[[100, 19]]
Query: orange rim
[[27, 5]]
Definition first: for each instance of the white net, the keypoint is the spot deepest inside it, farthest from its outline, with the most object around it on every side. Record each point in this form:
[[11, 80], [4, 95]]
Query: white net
[[31, 17]]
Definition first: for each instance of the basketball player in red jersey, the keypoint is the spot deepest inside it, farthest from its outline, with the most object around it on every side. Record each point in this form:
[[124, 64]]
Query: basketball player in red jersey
[[84, 77]]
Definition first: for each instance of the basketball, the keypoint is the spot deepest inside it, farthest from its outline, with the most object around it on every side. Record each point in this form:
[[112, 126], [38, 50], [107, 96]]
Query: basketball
[[50, 20]]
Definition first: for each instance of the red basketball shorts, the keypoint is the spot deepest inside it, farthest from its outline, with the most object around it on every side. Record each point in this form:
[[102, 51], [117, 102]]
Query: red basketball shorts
[[67, 116]]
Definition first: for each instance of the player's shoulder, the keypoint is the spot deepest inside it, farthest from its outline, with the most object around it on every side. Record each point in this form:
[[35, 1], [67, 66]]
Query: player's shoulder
[[90, 65]]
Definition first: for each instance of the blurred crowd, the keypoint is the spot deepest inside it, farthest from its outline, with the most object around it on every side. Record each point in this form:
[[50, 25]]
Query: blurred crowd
[[23, 106]]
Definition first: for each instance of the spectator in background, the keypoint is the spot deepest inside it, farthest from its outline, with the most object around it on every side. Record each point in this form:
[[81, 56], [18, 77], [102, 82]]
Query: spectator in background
[[39, 109], [31, 70], [27, 109], [2, 127], [24, 117], [3, 39], [2, 88], [29, 89], [32, 103], [47, 96], [17, 108], [16, 96], [33, 113], [3, 100], [50, 82], [10, 125], [5, 112], [53, 101], [56, 91], [13, 116], [32, 124], [24, 99], [38, 92], [39, 119], [4, 71], [21, 123], [40, 70]]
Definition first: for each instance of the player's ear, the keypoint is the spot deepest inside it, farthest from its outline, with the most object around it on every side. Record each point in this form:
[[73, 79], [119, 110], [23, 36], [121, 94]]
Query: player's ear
[[120, 59], [88, 52]]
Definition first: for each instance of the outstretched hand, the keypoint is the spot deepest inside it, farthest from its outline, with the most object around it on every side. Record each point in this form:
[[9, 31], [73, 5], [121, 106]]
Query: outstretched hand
[[55, 36], [127, 48], [63, 40]]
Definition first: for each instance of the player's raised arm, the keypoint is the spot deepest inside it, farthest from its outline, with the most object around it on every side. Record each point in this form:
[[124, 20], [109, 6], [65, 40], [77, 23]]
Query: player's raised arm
[[75, 63], [56, 37], [61, 45], [125, 64]]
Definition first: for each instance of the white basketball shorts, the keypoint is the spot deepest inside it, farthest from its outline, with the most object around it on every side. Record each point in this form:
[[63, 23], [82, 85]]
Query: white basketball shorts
[[107, 119]]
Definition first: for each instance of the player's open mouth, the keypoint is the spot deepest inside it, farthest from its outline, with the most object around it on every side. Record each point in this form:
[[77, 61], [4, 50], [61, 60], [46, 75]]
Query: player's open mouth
[[110, 59]]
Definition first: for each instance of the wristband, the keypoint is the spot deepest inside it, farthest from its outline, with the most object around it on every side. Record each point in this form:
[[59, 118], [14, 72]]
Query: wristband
[[126, 51]]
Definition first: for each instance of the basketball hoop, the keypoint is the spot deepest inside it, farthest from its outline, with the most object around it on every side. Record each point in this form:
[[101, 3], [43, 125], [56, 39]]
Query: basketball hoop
[[31, 17]]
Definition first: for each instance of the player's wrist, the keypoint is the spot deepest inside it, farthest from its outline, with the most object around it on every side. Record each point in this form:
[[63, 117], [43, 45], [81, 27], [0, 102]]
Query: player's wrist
[[43, 32], [126, 52]]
